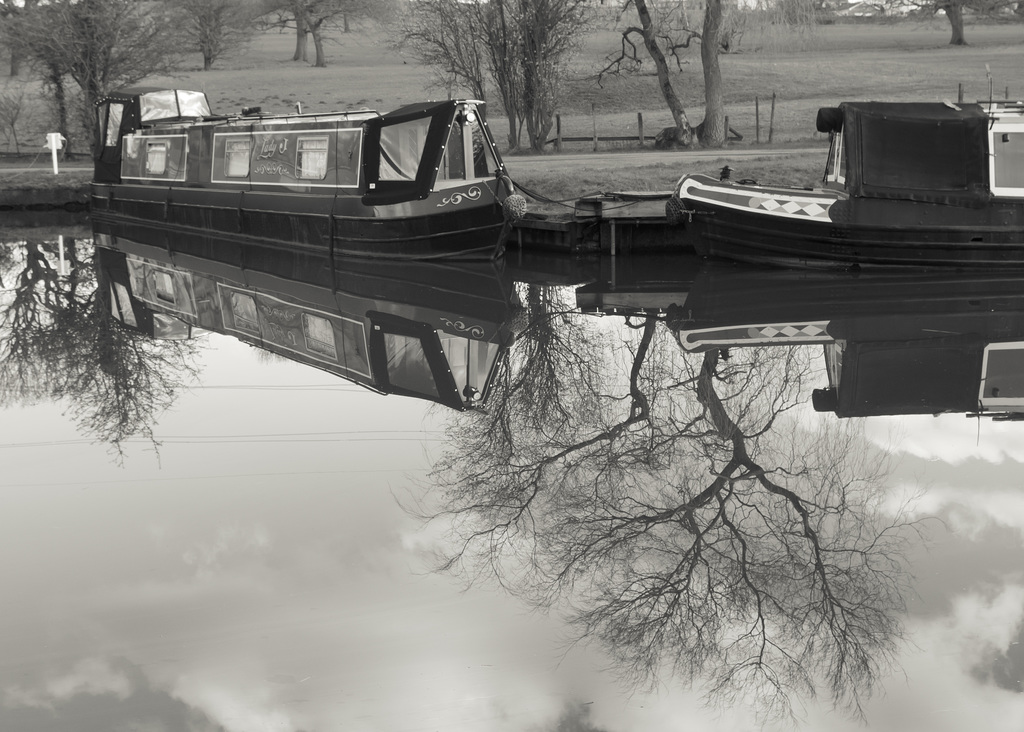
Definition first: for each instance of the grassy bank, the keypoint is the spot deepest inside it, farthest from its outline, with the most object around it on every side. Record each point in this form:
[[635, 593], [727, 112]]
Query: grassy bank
[[605, 175]]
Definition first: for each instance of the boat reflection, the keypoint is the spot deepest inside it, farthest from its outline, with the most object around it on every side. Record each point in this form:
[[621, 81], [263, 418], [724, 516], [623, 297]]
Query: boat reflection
[[907, 343], [427, 330]]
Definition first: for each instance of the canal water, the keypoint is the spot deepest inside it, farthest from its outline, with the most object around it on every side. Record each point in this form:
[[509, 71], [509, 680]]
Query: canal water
[[248, 489]]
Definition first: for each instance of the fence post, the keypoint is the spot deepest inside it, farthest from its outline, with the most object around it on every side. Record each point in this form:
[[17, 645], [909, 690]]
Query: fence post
[[593, 117], [771, 121], [960, 93], [725, 140], [757, 120], [558, 132], [640, 126]]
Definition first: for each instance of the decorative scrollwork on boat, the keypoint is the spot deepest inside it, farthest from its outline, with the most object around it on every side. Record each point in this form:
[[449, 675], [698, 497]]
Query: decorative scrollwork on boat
[[456, 198], [473, 331]]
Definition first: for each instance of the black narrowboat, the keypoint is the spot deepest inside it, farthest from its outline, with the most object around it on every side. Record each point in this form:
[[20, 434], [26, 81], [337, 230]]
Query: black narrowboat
[[422, 182], [905, 184]]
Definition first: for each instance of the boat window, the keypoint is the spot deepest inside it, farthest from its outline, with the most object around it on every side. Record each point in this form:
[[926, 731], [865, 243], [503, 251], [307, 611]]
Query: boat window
[[1008, 161], [401, 147], [163, 287], [156, 158], [158, 105], [453, 165], [467, 154], [485, 165], [113, 125], [121, 304], [236, 158], [193, 104], [407, 364], [350, 144], [243, 310], [170, 103], [470, 361], [319, 335], [1002, 378], [835, 168], [311, 158], [168, 328]]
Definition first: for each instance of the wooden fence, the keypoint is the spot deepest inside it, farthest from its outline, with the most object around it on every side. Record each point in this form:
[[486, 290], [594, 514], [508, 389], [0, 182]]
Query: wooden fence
[[640, 137]]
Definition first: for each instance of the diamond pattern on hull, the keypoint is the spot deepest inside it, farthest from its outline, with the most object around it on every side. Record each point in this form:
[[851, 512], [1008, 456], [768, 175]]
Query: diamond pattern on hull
[[810, 209]]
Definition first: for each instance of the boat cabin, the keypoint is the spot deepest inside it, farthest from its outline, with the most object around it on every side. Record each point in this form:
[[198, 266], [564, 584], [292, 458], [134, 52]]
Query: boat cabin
[[937, 153], [170, 137]]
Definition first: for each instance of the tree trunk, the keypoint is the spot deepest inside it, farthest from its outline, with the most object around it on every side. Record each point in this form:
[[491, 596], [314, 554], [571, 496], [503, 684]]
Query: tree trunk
[[955, 13], [55, 80], [675, 105], [207, 61], [301, 39], [712, 130], [318, 44]]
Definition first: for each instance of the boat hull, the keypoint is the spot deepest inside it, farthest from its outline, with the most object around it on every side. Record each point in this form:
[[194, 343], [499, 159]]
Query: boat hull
[[828, 229], [464, 223]]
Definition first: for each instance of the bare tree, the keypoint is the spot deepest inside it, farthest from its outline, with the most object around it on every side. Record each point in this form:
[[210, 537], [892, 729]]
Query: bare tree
[[521, 46], [58, 341], [13, 107], [99, 44], [9, 10], [315, 18], [954, 11], [680, 519], [444, 34], [216, 27], [671, 31]]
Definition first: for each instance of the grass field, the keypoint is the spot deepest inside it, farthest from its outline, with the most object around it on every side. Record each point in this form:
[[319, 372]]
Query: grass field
[[823, 66], [820, 67]]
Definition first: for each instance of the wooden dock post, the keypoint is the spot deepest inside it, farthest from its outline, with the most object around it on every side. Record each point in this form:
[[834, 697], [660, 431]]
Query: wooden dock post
[[757, 119]]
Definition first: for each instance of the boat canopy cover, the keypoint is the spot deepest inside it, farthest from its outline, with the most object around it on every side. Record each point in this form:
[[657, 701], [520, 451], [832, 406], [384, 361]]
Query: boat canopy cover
[[919, 151], [910, 377], [156, 103], [830, 119]]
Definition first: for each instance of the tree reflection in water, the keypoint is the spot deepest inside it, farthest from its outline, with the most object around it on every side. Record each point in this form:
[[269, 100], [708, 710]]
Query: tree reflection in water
[[669, 505], [58, 341]]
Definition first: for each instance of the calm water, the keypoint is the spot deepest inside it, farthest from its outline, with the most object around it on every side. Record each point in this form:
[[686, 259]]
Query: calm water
[[238, 494]]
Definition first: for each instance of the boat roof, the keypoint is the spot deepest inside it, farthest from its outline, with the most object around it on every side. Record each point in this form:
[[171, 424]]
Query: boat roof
[[925, 151]]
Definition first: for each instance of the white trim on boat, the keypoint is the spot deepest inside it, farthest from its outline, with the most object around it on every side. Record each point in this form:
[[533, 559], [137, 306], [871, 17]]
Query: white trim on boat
[[769, 201]]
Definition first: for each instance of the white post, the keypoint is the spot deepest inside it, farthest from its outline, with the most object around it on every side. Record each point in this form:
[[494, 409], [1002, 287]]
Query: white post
[[54, 141], [63, 268]]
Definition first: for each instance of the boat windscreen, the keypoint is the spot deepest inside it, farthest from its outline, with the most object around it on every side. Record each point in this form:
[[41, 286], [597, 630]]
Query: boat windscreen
[[193, 104], [470, 361], [171, 103]]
